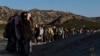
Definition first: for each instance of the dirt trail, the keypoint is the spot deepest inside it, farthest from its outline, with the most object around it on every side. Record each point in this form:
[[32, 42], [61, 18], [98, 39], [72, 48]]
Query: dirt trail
[[2, 48], [78, 45]]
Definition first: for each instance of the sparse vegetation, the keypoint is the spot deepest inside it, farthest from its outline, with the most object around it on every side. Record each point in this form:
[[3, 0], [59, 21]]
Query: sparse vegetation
[[2, 27], [65, 19]]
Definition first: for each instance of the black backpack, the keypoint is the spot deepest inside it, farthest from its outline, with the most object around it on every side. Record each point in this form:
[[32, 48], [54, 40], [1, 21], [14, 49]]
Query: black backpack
[[9, 29]]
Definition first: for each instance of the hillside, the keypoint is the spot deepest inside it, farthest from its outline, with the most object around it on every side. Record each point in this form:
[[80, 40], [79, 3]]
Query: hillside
[[51, 17]]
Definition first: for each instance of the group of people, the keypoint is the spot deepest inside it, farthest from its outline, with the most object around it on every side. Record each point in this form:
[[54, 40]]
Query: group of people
[[44, 34], [18, 30], [49, 33]]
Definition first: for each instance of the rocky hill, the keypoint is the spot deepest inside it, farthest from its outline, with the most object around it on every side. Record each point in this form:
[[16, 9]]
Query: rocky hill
[[47, 16]]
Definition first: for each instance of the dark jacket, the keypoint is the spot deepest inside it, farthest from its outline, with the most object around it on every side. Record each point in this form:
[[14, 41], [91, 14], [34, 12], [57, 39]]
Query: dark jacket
[[25, 29]]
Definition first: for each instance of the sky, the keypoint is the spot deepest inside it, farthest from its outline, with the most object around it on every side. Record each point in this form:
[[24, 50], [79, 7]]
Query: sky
[[89, 8]]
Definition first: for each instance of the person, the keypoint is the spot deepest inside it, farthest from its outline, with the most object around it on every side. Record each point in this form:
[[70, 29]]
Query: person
[[45, 35], [25, 34], [55, 37], [10, 29], [51, 33], [41, 33], [36, 34]]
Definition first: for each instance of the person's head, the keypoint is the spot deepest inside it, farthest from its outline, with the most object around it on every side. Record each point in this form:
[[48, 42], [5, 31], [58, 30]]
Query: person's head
[[29, 14], [36, 25], [23, 15], [26, 16]]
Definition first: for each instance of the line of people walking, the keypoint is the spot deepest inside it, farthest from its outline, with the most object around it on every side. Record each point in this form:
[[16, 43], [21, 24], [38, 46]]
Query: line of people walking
[[49, 33], [43, 34]]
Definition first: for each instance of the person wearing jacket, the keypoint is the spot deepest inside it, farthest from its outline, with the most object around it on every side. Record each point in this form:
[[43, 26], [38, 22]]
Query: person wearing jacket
[[25, 34]]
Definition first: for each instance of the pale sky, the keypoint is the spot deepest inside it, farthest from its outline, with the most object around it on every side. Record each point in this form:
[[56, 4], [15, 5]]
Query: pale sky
[[89, 8]]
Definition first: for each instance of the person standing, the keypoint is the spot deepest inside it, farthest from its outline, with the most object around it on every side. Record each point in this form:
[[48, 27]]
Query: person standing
[[25, 34], [11, 34]]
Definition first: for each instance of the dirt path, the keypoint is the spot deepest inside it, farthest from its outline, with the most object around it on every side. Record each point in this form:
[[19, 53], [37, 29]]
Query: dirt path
[[3, 52], [78, 45], [2, 48]]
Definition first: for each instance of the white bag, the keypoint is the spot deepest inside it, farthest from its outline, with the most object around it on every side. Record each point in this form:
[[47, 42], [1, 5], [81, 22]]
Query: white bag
[[39, 38]]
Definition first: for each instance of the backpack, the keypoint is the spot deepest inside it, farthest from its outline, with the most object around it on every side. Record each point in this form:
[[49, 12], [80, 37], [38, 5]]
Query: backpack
[[9, 29]]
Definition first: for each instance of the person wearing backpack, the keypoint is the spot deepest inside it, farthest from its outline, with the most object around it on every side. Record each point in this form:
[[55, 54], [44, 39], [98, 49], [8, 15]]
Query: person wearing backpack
[[10, 34]]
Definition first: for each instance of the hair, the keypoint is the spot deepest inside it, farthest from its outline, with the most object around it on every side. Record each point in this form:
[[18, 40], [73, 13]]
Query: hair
[[23, 15], [25, 27]]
